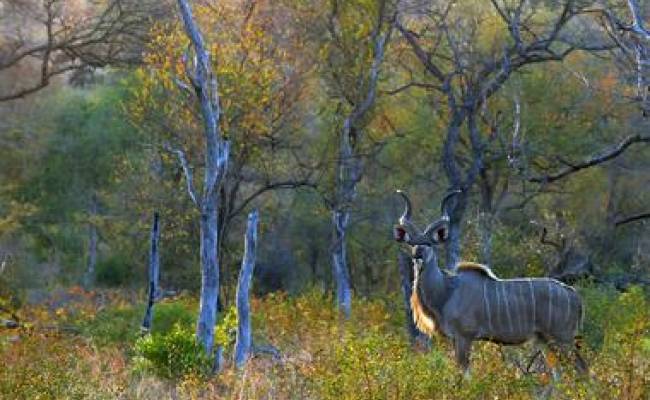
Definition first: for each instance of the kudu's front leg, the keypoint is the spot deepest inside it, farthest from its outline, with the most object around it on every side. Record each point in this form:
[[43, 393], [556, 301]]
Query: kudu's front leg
[[462, 349]]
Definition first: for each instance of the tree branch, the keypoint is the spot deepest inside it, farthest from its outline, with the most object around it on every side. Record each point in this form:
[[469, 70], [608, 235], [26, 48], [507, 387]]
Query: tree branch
[[592, 161], [187, 171], [633, 218], [637, 26], [420, 53], [268, 187], [107, 36]]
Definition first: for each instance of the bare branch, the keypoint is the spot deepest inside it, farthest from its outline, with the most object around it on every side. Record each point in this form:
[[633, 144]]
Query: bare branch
[[94, 37], [187, 171], [638, 26], [633, 218], [266, 188], [409, 85], [420, 53], [593, 160]]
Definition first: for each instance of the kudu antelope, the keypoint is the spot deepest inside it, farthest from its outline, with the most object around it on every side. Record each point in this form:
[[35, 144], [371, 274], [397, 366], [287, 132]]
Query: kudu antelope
[[474, 304]]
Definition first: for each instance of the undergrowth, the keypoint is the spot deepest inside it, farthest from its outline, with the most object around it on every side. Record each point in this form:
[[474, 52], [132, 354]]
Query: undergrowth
[[101, 354]]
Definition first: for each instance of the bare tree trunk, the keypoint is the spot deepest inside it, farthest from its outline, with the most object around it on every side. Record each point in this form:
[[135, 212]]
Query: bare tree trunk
[[209, 277], [340, 271], [154, 272], [454, 243], [348, 176], [244, 334], [89, 278], [350, 167], [486, 228], [217, 153]]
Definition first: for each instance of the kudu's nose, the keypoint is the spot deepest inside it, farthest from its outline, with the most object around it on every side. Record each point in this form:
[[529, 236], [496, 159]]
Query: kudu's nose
[[418, 253]]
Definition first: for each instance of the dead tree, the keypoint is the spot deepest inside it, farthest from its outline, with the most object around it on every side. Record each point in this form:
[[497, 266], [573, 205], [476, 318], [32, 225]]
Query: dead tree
[[216, 153], [244, 333], [350, 158], [77, 37], [443, 40], [154, 273]]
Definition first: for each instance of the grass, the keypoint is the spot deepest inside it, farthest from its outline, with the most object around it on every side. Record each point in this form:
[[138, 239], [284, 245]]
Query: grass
[[323, 357]]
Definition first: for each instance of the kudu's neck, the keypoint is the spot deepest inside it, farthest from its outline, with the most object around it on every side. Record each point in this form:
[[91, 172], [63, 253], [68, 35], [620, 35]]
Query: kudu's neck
[[430, 282]]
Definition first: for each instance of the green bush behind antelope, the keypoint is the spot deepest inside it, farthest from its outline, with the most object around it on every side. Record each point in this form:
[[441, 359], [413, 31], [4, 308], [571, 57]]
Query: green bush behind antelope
[[121, 325]]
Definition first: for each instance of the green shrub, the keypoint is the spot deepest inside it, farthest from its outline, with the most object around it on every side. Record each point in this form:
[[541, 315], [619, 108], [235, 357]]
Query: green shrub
[[225, 332], [121, 325], [115, 271], [171, 355], [167, 315], [598, 301], [115, 325]]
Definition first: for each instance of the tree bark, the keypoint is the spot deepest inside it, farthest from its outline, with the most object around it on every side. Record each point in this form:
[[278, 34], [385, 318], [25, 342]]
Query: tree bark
[[454, 242], [454, 177], [340, 271], [244, 333], [209, 277], [154, 272]]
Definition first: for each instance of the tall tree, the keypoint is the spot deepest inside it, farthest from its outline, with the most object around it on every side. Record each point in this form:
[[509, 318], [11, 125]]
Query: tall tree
[[356, 93], [449, 43], [216, 153]]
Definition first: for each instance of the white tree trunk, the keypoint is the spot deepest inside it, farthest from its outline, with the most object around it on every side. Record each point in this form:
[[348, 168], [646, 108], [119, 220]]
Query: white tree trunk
[[340, 269], [217, 152], [244, 333]]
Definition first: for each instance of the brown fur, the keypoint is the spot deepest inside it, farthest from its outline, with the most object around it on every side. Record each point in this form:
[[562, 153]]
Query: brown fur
[[467, 265]]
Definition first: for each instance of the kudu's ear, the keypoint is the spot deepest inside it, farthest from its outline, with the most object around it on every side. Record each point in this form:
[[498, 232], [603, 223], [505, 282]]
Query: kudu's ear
[[399, 233], [438, 232], [441, 234]]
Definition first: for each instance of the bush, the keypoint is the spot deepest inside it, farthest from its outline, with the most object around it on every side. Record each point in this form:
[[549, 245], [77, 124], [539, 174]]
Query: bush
[[121, 324], [225, 332], [115, 325], [172, 355], [115, 271], [168, 315]]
